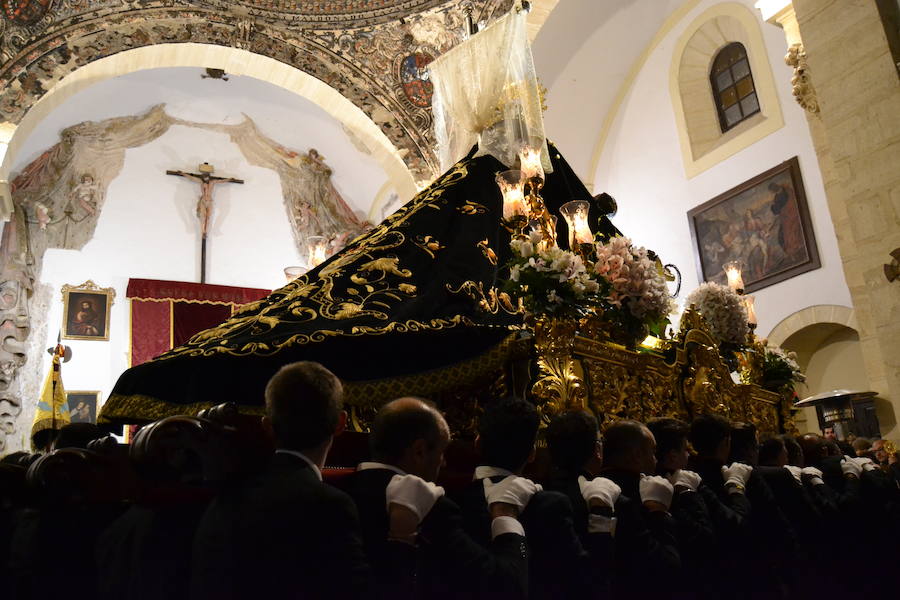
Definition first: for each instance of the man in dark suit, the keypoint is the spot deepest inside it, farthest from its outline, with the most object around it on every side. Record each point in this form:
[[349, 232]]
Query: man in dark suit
[[561, 564], [647, 558], [409, 437], [284, 533]]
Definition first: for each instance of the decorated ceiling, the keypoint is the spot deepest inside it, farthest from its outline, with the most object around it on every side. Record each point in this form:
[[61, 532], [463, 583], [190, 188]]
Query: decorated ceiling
[[371, 51]]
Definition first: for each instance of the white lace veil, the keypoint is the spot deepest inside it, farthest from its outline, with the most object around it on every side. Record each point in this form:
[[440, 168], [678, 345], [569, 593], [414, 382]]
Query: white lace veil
[[486, 91]]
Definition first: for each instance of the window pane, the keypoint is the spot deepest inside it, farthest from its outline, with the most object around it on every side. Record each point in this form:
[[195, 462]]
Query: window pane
[[723, 80], [741, 69], [750, 104], [732, 115], [729, 97], [744, 86]]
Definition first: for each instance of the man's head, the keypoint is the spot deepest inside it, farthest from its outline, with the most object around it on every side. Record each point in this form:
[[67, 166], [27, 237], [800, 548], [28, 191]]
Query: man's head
[[794, 451], [573, 439], [879, 452], [744, 444], [814, 449], [711, 437], [773, 453], [411, 434], [629, 446], [303, 406], [828, 433], [506, 433], [671, 443], [862, 446], [87, 305]]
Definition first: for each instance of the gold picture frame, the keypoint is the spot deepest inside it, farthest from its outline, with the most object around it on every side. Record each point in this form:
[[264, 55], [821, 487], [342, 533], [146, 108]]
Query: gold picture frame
[[86, 309]]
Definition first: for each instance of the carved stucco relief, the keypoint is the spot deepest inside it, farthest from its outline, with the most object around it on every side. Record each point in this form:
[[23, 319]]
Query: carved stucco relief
[[353, 51]]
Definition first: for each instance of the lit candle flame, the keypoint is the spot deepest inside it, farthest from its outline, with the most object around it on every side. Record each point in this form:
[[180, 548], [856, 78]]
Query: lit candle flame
[[317, 250], [733, 272], [751, 311], [530, 163]]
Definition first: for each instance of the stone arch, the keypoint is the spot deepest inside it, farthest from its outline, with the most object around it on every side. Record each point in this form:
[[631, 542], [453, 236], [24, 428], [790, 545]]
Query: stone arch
[[832, 314], [234, 61], [41, 64], [702, 142]]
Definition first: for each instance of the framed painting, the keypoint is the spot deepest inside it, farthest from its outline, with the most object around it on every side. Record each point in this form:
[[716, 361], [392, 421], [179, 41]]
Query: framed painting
[[83, 406], [86, 311], [763, 223]]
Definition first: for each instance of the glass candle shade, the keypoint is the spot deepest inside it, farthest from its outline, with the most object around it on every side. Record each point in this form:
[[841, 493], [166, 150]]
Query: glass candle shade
[[292, 273], [316, 246], [576, 215], [751, 311], [510, 184], [530, 162], [733, 272]]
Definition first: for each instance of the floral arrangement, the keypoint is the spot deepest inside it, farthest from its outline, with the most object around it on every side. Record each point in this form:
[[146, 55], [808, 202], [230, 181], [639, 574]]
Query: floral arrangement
[[550, 281], [622, 283], [780, 369], [637, 293], [724, 312]]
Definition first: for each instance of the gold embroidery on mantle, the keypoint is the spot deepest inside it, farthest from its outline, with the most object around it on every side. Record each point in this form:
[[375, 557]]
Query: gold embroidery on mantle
[[491, 301], [376, 274], [489, 254]]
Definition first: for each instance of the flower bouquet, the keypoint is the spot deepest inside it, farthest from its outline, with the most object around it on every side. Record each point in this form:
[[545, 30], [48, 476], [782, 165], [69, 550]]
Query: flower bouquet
[[726, 316], [635, 295], [550, 281], [780, 369]]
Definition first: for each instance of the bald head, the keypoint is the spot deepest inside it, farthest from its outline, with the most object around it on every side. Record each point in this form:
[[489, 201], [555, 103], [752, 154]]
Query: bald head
[[411, 434], [630, 446]]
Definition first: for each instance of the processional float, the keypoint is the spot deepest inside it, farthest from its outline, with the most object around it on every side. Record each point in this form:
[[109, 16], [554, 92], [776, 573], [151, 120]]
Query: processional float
[[474, 289]]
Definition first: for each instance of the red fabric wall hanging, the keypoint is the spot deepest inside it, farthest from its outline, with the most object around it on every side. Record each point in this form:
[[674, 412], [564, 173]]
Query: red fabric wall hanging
[[165, 314]]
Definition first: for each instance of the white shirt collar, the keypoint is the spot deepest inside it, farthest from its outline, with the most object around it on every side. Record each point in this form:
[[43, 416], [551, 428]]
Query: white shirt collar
[[363, 466], [485, 471], [312, 465]]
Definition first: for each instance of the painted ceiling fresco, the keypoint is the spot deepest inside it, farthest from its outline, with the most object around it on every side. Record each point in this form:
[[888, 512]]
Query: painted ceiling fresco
[[371, 51]]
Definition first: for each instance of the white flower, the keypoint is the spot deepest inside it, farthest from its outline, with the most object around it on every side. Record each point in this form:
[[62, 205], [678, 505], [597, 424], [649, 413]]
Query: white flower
[[553, 298], [535, 237], [514, 272]]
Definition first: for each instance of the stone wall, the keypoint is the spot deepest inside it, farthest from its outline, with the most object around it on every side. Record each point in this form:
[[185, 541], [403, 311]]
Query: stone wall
[[857, 137]]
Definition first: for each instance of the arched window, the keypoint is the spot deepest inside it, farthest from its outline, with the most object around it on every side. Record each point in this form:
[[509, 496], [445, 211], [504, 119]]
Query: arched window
[[732, 84]]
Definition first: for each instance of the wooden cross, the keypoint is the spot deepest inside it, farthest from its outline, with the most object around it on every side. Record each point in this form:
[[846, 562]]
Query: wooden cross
[[205, 204]]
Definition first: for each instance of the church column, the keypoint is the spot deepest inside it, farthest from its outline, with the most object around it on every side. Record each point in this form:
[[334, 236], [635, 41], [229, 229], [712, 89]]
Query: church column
[[847, 80]]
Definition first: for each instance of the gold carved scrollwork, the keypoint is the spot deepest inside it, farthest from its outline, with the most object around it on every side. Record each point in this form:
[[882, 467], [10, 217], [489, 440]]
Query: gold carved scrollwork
[[559, 386], [622, 384]]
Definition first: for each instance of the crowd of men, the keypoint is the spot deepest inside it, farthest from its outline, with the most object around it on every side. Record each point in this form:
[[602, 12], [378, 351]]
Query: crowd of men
[[665, 509]]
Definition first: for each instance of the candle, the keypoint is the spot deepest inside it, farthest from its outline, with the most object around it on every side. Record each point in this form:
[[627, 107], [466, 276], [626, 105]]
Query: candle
[[751, 312], [733, 272], [510, 184], [575, 213], [317, 245], [530, 161]]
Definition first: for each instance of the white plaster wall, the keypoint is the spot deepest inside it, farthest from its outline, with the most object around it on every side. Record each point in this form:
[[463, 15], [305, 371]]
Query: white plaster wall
[[148, 228], [641, 166]]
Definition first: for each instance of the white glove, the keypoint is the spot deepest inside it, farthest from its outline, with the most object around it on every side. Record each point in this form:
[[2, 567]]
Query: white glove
[[865, 463], [687, 479], [814, 474], [603, 489], [512, 490], [656, 489], [414, 493], [737, 474], [850, 467], [797, 472]]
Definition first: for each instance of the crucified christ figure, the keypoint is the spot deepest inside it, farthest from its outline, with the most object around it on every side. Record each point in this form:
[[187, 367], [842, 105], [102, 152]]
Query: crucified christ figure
[[207, 181], [205, 204]]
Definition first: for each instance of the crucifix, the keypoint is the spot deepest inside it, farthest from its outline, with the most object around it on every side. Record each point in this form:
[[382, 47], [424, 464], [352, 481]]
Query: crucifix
[[205, 204]]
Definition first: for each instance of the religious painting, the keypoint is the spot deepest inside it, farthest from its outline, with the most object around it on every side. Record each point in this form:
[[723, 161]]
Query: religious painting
[[763, 223], [86, 309], [24, 12], [414, 79], [83, 406]]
